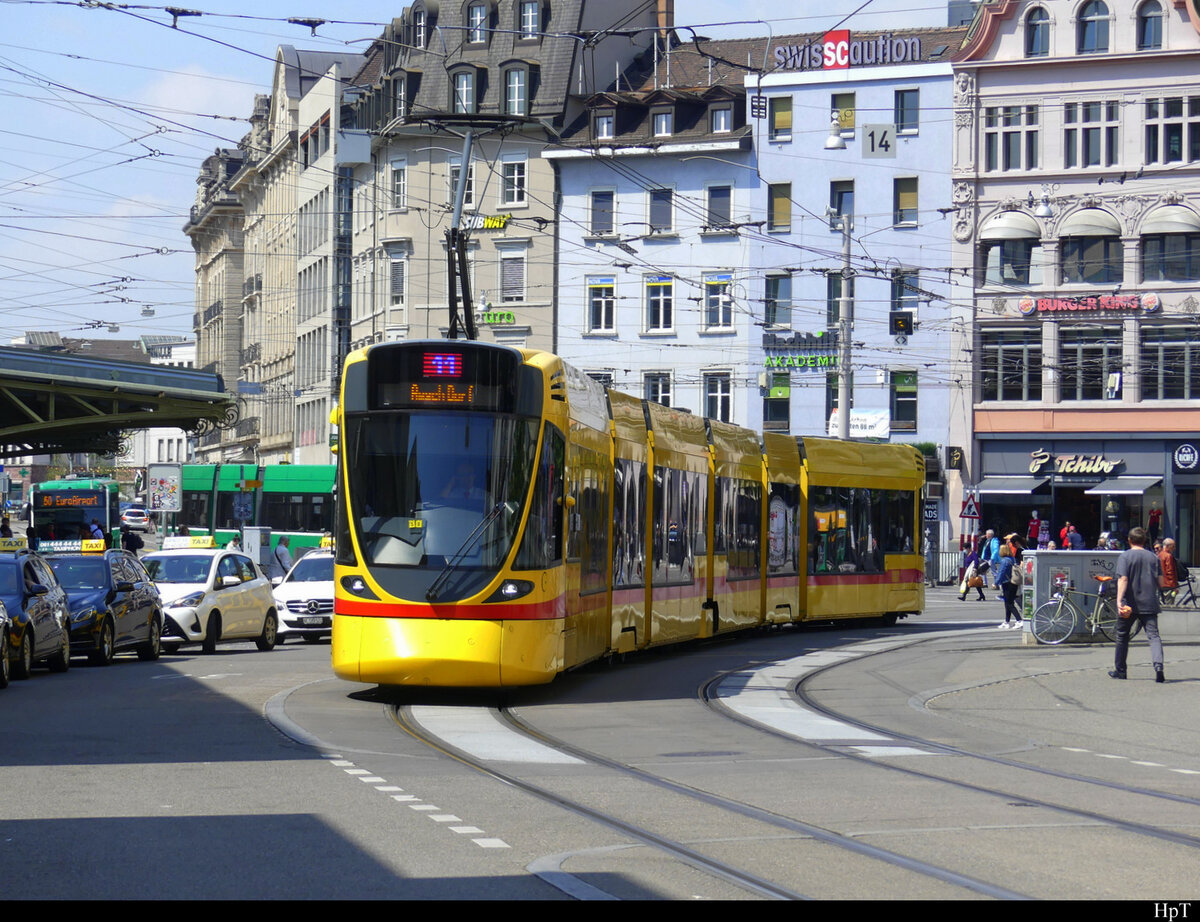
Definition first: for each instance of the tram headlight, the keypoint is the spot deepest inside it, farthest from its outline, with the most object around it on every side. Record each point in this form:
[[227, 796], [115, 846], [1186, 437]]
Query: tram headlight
[[510, 590]]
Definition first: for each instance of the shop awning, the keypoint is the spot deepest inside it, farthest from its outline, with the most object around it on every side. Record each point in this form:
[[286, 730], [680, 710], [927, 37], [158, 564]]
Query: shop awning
[[1123, 486], [1015, 486], [1010, 225]]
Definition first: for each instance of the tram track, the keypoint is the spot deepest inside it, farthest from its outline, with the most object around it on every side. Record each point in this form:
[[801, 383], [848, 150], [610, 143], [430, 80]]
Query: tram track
[[1013, 793], [770, 823]]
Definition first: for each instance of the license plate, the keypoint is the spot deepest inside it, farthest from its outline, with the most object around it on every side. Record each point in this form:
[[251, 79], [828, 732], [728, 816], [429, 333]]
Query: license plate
[[313, 622]]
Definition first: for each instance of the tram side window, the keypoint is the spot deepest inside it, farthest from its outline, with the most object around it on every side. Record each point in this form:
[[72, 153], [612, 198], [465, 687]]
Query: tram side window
[[541, 545], [587, 537], [745, 548], [195, 511], [828, 521], [900, 521], [629, 523], [783, 538]]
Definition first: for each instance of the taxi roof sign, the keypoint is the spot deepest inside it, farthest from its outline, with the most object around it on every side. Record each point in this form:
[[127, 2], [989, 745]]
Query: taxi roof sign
[[178, 542], [13, 544], [73, 546]]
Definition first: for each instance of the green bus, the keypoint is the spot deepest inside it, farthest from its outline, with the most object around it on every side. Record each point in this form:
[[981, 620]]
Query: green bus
[[62, 511], [291, 499]]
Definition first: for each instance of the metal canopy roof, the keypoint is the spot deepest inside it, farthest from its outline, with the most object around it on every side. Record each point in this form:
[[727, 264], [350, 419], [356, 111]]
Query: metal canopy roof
[[1015, 486], [1123, 486], [51, 402]]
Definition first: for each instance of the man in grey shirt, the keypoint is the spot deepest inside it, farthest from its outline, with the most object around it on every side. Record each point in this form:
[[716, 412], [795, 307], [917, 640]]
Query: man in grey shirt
[[1139, 577]]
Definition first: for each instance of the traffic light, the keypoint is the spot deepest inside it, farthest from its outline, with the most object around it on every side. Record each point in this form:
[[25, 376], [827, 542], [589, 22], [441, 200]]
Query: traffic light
[[900, 323]]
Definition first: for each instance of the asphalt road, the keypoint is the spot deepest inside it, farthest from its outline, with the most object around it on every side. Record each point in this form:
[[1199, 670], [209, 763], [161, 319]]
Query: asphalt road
[[248, 775]]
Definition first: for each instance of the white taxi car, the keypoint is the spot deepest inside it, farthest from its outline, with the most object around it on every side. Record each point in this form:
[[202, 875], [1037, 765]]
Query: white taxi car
[[210, 595], [304, 599]]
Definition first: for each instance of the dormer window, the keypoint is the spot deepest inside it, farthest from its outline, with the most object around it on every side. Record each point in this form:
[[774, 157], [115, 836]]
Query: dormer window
[[420, 28], [516, 91], [529, 19], [463, 90], [722, 120], [477, 17], [664, 123], [605, 126]]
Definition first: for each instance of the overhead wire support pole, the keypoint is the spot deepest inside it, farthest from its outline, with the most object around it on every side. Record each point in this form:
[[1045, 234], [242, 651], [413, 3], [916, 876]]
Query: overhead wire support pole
[[845, 332], [456, 250]]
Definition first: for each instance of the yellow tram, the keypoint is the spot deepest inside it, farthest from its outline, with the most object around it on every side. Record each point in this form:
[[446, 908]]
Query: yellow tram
[[503, 517]]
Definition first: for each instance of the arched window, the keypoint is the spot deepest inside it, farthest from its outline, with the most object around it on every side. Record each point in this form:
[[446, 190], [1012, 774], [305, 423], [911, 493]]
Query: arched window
[[1010, 249], [1149, 25], [1037, 33], [1093, 28], [1171, 245], [1090, 248]]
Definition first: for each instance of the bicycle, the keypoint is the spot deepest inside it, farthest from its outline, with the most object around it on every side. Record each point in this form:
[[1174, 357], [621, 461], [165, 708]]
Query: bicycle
[[1055, 621]]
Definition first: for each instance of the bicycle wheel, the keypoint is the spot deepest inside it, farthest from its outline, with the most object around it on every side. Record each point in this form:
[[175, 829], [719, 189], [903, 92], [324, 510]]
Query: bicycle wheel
[[1105, 619], [1054, 621]]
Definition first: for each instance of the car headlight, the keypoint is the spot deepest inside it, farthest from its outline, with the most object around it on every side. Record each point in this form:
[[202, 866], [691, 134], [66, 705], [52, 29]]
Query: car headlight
[[190, 600], [85, 615]]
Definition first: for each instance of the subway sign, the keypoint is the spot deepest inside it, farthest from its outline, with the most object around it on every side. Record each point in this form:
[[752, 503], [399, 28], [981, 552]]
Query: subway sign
[[836, 50]]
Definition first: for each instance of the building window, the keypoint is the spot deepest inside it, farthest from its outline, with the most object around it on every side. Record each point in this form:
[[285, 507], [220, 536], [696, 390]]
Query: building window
[[833, 298], [904, 201], [604, 126], [777, 403], [1091, 136], [530, 23], [663, 124], [419, 28], [516, 92], [722, 120], [396, 286], [718, 397], [1010, 138], [720, 206], [464, 92], [512, 277], [1089, 362], [399, 186], [718, 302], [1094, 260], [906, 287], [400, 96], [1092, 28], [843, 107], [1012, 262], [779, 207], [660, 304], [514, 182], [1149, 26], [477, 17], [602, 220], [1170, 363], [778, 311], [662, 211], [658, 388], [908, 105], [1171, 257], [1166, 126], [602, 303], [904, 400], [841, 201], [469, 195], [1037, 33], [1011, 366], [779, 118]]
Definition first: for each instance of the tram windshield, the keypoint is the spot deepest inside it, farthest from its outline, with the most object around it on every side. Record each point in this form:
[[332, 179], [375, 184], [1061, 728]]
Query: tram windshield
[[423, 484]]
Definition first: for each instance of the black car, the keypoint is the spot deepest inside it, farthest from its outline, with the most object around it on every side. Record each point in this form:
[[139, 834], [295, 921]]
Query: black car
[[114, 605], [5, 666], [39, 620]]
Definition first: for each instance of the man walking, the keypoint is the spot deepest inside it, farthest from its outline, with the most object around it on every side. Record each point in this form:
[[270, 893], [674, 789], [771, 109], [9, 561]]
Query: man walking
[[1139, 577], [991, 553]]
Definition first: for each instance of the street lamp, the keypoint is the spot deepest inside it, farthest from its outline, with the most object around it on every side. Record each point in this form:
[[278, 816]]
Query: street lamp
[[835, 141]]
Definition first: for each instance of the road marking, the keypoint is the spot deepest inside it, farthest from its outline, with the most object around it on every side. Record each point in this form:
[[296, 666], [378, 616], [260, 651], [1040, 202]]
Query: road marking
[[480, 734]]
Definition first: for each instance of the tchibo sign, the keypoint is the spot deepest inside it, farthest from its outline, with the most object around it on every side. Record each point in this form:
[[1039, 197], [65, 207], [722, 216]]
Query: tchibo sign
[[836, 50]]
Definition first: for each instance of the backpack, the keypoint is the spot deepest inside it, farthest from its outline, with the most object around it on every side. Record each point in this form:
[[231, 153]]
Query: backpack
[[1182, 574], [1016, 577]]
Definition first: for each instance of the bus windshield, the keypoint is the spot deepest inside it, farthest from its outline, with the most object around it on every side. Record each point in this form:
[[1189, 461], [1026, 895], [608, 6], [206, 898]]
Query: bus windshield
[[423, 483]]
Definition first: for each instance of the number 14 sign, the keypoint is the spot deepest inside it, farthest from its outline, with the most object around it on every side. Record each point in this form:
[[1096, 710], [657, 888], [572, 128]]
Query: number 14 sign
[[879, 141]]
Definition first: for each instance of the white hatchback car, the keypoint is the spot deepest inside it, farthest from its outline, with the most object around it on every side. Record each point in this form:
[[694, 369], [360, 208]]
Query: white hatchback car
[[304, 599], [212, 595]]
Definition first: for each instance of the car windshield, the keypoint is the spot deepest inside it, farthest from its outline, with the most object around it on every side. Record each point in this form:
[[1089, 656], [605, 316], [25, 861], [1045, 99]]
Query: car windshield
[[78, 573], [312, 570], [184, 568]]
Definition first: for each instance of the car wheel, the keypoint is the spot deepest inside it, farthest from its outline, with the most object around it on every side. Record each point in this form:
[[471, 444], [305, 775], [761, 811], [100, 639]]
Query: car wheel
[[213, 634], [61, 661], [266, 640], [5, 667], [23, 667], [103, 654], [170, 648], [151, 649]]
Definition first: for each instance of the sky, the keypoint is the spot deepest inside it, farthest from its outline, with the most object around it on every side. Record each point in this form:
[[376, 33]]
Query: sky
[[109, 112]]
